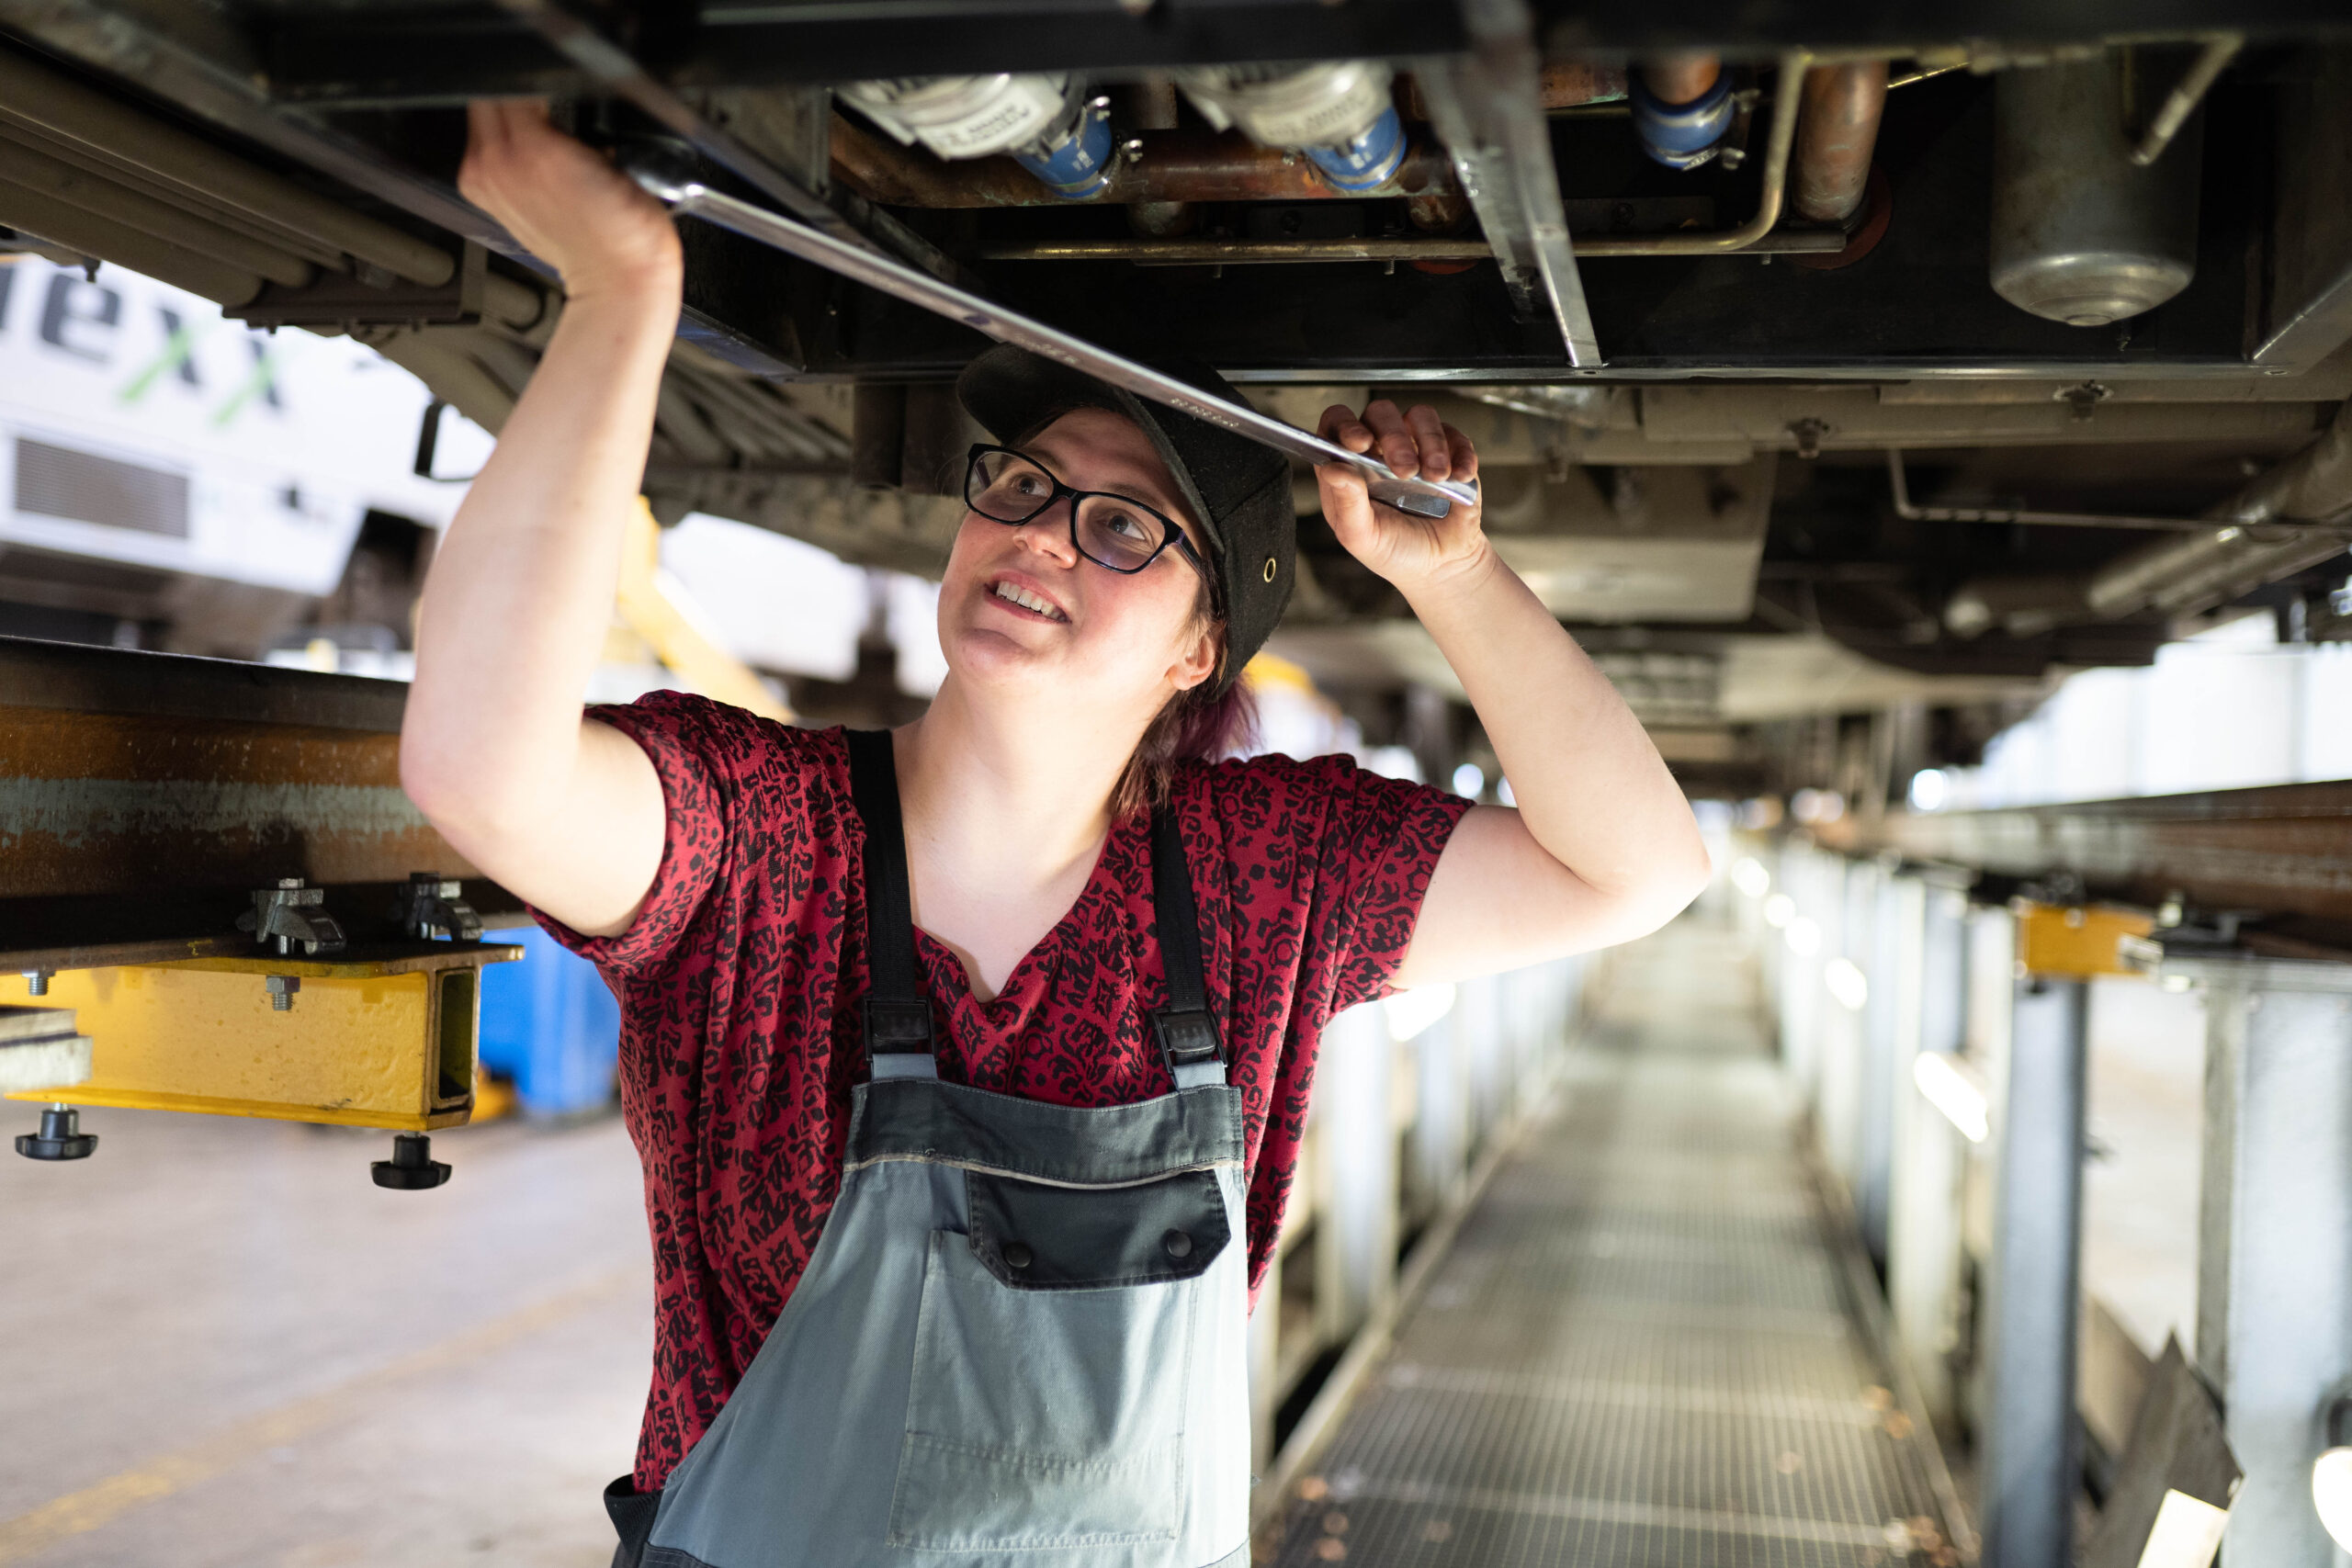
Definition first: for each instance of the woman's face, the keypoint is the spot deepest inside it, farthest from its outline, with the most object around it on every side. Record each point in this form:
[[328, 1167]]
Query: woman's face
[[1106, 639]]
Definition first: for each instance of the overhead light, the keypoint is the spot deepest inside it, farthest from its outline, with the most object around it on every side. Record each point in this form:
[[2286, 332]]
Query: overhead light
[[1847, 983], [1750, 878], [2331, 1475], [1779, 910], [1953, 1092], [1930, 787], [1803, 936]]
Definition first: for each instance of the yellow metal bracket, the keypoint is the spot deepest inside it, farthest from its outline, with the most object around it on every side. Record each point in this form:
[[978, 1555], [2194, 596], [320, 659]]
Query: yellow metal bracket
[[2075, 941], [376, 1037]]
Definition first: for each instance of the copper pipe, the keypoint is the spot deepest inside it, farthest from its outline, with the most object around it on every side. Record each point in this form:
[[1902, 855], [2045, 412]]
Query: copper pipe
[[1681, 78], [1565, 84], [1836, 138], [1781, 137], [1151, 103], [1166, 165]]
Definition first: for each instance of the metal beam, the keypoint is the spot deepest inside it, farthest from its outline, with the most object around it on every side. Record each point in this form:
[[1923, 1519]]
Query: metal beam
[[401, 53], [2033, 1464], [1489, 109], [189, 57], [2274, 1288], [2285, 850]]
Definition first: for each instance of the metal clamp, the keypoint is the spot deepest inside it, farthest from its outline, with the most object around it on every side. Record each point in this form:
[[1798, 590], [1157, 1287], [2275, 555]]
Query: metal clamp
[[292, 913], [432, 906]]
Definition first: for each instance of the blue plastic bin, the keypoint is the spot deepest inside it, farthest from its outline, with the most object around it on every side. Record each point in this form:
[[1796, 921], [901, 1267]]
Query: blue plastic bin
[[550, 1022]]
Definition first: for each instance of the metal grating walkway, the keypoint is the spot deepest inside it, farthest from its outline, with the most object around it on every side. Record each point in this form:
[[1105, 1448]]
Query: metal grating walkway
[[1640, 1352]]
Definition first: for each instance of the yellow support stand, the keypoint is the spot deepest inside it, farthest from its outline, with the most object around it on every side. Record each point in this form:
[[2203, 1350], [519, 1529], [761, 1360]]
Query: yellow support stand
[[653, 612], [2076, 941], [369, 1042]]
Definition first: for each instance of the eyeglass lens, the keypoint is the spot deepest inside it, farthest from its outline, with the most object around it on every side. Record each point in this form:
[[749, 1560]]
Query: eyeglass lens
[[1122, 535]]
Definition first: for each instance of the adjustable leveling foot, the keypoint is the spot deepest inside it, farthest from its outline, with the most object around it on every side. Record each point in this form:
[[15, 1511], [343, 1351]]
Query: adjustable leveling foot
[[412, 1167], [61, 1137]]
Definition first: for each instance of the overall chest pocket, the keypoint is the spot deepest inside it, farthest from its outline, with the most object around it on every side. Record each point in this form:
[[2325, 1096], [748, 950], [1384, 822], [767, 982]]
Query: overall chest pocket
[[1053, 1363]]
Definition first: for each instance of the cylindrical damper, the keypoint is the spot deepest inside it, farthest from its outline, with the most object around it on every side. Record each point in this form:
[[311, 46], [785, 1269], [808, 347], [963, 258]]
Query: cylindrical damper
[[2080, 233]]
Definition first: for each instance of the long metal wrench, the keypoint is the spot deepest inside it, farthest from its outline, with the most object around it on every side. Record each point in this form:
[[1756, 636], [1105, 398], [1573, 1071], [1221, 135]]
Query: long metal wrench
[[1426, 497]]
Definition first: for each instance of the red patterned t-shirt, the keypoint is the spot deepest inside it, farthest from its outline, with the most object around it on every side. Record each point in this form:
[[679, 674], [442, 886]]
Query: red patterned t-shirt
[[741, 979]]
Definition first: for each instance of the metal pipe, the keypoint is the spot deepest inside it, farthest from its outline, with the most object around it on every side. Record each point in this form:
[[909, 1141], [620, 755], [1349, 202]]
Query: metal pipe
[[1152, 104], [1785, 100], [1835, 137], [1681, 78], [2312, 486], [94, 193], [65, 109], [2182, 101], [1155, 166], [1912, 512], [42, 215], [1925, 73], [1572, 84], [1243, 252]]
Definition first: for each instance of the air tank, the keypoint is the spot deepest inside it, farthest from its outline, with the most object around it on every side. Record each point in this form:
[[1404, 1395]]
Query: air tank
[[2080, 233]]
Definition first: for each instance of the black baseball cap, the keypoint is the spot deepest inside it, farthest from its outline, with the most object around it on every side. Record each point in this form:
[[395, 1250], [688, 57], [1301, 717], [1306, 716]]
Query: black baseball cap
[[1237, 490]]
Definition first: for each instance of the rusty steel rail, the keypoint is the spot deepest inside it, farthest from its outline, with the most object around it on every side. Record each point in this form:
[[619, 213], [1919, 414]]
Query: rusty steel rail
[[143, 795], [2282, 851]]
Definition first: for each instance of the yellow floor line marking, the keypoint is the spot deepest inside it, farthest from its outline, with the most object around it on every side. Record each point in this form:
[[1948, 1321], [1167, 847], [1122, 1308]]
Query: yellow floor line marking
[[77, 1513]]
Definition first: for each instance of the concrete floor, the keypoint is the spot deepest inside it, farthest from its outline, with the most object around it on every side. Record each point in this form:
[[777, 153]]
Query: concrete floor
[[222, 1346]]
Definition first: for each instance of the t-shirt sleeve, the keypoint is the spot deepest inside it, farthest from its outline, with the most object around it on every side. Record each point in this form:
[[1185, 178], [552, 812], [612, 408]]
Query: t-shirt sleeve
[[1369, 843], [702, 751]]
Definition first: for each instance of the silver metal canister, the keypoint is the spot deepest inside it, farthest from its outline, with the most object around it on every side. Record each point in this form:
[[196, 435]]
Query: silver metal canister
[[2080, 233]]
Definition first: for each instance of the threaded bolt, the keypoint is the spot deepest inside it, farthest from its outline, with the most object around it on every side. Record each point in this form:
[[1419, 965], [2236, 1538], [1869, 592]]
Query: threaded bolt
[[281, 991], [37, 982]]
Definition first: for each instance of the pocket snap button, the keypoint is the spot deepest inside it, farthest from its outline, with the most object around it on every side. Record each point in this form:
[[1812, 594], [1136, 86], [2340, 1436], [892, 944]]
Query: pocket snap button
[[1016, 1256], [1177, 1243]]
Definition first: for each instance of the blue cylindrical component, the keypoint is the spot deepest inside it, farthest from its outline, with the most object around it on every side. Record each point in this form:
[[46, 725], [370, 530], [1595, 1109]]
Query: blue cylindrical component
[[1680, 136], [550, 1023], [1074, 164], [1367, 160]]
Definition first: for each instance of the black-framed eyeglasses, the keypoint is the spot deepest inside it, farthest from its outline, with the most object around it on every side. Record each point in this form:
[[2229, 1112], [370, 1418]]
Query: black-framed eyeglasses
[[1114, 531]]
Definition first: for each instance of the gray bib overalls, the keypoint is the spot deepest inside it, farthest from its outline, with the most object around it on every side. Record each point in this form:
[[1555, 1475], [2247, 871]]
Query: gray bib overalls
[[1021, 1337]]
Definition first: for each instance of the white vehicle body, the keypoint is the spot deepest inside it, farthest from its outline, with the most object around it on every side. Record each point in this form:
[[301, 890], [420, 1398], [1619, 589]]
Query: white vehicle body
[[137, 427]]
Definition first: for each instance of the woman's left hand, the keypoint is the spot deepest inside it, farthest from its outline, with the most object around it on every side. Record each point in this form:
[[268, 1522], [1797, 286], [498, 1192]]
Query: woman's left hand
[[1411, 551]]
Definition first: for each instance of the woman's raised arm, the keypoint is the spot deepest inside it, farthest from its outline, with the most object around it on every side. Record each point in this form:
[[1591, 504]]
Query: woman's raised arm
[[1601, 847], [564, 811]]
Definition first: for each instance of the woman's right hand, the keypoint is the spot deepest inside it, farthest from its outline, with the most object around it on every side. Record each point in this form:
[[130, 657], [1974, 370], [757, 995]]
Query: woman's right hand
[[570, 207]]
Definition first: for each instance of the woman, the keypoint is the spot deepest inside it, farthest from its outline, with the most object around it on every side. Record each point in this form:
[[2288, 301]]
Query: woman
[[966, 1135]]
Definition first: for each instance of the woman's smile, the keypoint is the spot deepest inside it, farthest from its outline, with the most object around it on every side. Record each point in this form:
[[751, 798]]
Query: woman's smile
[[1024, 599]]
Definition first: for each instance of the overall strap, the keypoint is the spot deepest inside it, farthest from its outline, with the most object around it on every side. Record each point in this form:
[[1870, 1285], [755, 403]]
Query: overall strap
[[1187, 1037], [898, 1014]]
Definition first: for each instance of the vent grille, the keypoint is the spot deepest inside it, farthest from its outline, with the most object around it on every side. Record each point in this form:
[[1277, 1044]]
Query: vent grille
[[56, 481]]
